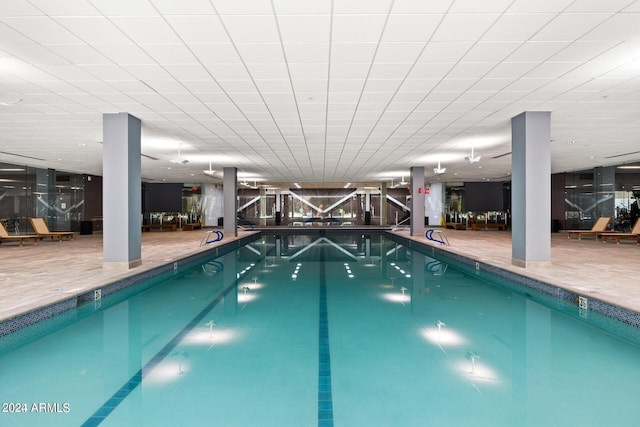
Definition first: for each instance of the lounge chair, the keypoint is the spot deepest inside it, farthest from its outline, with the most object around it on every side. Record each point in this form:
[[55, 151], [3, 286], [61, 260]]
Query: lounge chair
[[6, 237], [40, 228], [598, 228], [634, 234]]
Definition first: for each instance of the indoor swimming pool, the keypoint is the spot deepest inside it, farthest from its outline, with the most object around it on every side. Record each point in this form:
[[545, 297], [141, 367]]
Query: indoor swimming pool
[[302, 330]]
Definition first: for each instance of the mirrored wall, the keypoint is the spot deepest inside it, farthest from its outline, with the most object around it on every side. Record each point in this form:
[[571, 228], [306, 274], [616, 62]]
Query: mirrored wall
[[27, 192]]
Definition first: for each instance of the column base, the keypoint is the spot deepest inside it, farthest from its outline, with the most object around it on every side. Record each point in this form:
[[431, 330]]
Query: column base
[[120, 266], [530, 264]]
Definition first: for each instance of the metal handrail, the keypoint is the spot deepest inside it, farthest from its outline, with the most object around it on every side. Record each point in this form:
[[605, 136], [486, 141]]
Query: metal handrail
[[205, 238], [441, 234]]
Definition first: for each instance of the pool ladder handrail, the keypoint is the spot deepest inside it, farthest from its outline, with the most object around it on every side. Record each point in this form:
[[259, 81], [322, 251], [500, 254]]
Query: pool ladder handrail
[[205, 237], [429, 235]]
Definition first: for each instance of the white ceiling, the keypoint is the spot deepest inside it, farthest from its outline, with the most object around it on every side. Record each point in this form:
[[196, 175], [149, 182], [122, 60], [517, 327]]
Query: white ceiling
[[317, 90]]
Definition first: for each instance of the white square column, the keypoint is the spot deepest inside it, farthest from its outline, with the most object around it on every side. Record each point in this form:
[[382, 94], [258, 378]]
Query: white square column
[[417, 201], [230, 199], [121, 190], [531, 189]]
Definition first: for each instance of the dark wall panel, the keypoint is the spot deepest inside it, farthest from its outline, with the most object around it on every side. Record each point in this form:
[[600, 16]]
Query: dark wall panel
[[162, 197], [483, 196]]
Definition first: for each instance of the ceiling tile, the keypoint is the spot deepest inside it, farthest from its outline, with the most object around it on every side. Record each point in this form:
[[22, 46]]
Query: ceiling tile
[[445, 51], [33, 54], [302, 7], [349, 71], [357, 7], [470, 70], [183, 7], [146, 30], [491, 51], [233, 71], [215, 53], [204, 29], [308, 71], [357, 28], [520, 6], [590, 6], [147, 71], [410, 28], [537, 51], [126, 54], [463, 27], [434, 70], [421, 6], [18, 8], [517, 27], [352, 52], [95, 30], [41, 29], [80, 54], [252, 28], [245, 7], [389, 71], [570, 27], [310, 52], [551, 69], [264, 53], [127, 8], [267, 71], [621, 26], [398, 52], [582, 51], [514, 70], [170, 53], [304, 29], [187, 71], [471, 6], [65, 7]]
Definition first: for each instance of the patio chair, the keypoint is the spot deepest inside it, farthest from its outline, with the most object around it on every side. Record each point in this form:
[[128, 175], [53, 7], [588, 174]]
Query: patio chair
[[6, 237], [598, 228], [40, 228], [634, 234]]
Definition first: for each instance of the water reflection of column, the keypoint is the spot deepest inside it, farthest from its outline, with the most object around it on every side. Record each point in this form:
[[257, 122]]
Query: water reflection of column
[[417, 279], [120, 350], [134, 326], [383, 257], [538, 346], [367, 247], [230, 277], [278, 247], [519, 361]]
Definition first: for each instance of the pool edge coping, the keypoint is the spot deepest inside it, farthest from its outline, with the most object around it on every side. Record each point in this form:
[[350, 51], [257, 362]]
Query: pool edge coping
[[49, 309], [609, 310]]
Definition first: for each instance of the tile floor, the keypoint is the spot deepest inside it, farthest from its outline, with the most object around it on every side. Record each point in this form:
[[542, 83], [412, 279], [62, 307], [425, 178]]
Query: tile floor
[[34, 276]]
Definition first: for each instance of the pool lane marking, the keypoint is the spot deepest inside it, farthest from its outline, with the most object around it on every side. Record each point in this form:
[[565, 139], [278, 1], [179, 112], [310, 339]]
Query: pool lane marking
[[112, 403], [325, 398]]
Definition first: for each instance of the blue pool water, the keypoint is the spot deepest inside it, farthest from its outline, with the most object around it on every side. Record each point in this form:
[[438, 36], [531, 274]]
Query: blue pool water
[[318, 330]]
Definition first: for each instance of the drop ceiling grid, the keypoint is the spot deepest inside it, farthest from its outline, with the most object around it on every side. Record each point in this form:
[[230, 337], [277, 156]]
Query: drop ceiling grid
[[383, 79]]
